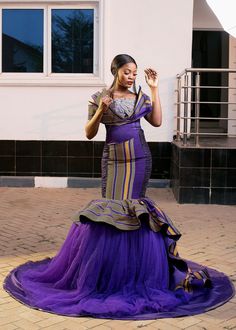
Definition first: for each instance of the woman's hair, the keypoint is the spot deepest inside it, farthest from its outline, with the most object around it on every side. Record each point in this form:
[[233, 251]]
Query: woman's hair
[[117, 62]]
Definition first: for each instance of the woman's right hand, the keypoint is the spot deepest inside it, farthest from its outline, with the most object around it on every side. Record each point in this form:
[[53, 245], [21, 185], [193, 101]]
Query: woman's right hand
[[104, 103]]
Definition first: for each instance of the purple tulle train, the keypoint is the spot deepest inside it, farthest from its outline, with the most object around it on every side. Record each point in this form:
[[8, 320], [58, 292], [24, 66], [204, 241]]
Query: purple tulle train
[[103, 272]]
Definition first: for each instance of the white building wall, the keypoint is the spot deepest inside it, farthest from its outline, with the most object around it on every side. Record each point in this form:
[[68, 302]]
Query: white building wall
[[204, 18], [156, 33]]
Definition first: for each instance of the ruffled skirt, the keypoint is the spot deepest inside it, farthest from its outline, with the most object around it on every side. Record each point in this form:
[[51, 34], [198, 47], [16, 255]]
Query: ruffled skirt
[[104, 272]]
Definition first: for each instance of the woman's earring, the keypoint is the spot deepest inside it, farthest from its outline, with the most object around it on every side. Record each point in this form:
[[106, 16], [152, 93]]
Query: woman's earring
[[134, 87]]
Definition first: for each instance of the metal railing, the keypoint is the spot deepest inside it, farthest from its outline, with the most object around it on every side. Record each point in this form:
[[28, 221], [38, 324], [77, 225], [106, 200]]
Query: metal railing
[[188, 96]]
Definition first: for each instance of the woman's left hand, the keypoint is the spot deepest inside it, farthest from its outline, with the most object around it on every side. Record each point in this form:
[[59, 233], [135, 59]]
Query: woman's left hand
[[151, 77]]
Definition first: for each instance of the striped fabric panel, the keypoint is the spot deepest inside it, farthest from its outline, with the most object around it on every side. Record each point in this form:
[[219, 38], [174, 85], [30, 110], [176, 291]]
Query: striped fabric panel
[[104, 169], [171, 230], [121, 170], [110, 179], [201, 275], [161, 220], [173, 250], [122, 214], [129, 169], [186, 284], [118, 168]]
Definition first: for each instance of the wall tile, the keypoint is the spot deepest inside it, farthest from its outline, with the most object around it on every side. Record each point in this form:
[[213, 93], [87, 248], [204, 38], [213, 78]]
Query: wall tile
[[190, 157], [83, 159], [54, 165], [196, 171], [51, 156], [161, 168], [194, 195], [28, 148], [219, 158], [194, 177], [231, 158], [54, 148], [160, 149], [7, 148], [97, 165], [80, 148], [7, 164], [223, 177], [175, 154], [223, 196], [80, 165], [28, 164], [174, 177], [98, 148]]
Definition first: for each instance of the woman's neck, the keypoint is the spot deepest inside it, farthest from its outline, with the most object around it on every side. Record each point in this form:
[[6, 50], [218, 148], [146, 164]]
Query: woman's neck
[[121, 91]]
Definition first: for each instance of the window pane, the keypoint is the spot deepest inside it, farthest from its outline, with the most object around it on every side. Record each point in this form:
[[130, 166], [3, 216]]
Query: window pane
[[22, 40], [72, 40]]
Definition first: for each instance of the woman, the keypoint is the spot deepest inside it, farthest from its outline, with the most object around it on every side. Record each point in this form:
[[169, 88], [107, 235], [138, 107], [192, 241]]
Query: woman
[[120, 258]]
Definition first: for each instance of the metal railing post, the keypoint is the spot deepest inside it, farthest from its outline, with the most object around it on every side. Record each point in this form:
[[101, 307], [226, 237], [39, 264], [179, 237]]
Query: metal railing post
[[185, 109], [197, 108], [182, 127], [178, 107]]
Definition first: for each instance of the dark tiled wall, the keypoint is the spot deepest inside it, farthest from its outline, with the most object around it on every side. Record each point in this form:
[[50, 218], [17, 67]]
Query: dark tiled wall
[[203, 175], [68, 158], [161, 159]]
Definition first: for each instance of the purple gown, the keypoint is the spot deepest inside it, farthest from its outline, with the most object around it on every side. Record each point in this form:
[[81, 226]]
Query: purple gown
[[120, 258]]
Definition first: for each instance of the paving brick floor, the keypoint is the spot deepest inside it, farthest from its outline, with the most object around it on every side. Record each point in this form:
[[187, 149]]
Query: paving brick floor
[[34, 223]]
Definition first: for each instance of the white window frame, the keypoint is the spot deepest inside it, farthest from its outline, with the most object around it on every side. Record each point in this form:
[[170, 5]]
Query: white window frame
[[47, 78]]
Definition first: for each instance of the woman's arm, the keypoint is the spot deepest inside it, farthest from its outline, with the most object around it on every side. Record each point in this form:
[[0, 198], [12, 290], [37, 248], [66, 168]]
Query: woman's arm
[[92, 125], [91, 128], [155, 116]]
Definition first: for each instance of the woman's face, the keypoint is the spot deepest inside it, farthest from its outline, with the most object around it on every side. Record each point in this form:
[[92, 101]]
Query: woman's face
[[127, 75]]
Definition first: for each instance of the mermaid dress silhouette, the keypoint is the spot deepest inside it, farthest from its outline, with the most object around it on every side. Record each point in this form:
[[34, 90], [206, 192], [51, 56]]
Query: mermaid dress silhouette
[[120, 258]]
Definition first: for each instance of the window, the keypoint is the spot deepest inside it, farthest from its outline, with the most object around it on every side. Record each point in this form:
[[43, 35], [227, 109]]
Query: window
[[50, 41], [22, 40], [72, 40]]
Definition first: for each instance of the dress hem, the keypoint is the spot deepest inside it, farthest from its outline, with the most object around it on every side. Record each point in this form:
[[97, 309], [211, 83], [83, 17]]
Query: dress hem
[[149, 316]]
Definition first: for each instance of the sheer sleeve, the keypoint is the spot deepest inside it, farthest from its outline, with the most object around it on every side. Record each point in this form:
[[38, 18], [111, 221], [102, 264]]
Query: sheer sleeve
[[93, 104], [92, 108]]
